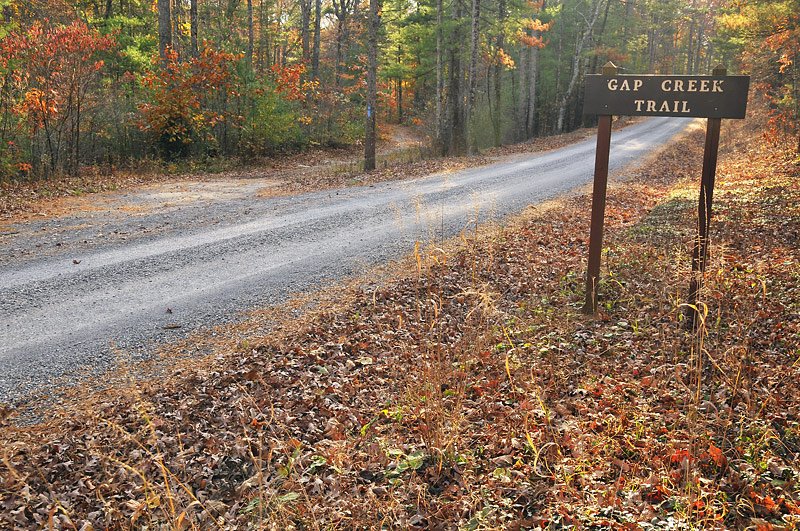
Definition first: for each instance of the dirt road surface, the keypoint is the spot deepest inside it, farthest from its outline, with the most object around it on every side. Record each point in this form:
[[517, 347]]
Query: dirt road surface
[[137, 269]]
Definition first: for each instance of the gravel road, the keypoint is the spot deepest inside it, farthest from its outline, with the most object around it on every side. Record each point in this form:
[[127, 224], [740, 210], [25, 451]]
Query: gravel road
[[74, 288]]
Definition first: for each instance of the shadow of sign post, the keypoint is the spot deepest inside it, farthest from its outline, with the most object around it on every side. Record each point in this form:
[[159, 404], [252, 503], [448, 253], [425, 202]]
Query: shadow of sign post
[[713, 97]]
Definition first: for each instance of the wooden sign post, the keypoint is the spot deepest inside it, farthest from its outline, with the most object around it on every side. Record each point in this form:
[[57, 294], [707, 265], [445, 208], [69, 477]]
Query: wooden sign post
[[714, 97], [700, 247], [599, 188]]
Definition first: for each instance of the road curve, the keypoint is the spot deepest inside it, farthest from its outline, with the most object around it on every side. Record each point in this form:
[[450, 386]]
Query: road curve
[[73, 289]]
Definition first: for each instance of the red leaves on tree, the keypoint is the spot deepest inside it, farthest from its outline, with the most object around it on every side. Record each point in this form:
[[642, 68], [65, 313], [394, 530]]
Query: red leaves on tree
[[50, 70], [58, 64], [289, 81]]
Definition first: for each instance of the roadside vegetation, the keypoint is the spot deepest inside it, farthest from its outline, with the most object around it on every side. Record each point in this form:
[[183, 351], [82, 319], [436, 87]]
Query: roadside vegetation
[[464, 389]]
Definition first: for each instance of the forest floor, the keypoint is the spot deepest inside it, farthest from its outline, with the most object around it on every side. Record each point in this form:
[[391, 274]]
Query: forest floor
[[465, 390]]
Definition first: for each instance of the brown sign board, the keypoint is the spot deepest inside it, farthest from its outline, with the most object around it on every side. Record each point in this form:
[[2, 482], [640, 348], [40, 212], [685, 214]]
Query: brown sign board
[[659, 95]]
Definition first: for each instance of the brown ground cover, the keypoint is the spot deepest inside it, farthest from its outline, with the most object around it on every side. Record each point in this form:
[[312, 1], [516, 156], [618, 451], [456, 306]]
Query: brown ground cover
[[465, 390]]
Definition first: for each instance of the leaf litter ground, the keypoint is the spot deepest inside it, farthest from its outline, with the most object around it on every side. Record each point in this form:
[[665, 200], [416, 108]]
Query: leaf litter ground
[[462, 389]]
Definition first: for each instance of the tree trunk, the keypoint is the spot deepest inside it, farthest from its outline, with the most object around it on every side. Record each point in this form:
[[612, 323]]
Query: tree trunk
[[317, 26], [372, 85], [522, 108], [250, 34], [193, 21], [263, 37], [400, 100], [177, 23], [305, 23], [690, 43], [399, 85], [340, 12], [699, 54], [454, 95], [473, 75], [497, 74], [533, 79], [76, 152], [439, 77], [164, 28], [598, 38], [580, 44], [109, 9], [627, 25], [652, 44]]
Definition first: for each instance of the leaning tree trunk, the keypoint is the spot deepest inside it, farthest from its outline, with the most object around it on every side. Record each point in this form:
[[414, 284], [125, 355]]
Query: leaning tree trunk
[[576, 64], [372, 84]]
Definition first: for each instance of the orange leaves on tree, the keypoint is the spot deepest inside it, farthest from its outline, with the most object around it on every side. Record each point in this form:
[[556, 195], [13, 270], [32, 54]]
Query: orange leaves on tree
[[498, 56], [177, 109], [51, 66], [50, 70], [38, 106], [535, 24], [532, 32], [289, 81], [533, 42]]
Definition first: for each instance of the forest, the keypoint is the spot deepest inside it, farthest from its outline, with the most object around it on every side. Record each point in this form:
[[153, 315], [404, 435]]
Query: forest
[[103, 84]]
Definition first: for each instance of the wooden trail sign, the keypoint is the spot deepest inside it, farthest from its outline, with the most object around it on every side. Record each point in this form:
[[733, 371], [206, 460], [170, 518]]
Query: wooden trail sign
[[714, 97], [717, 96]]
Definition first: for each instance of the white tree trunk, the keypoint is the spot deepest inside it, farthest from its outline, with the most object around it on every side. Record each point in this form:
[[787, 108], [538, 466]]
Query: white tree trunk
[[580, 45]]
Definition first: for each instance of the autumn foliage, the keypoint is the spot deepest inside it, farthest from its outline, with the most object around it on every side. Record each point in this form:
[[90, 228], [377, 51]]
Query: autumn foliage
[[769, 36], [182, 108], [65, 102], [50, 73]]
